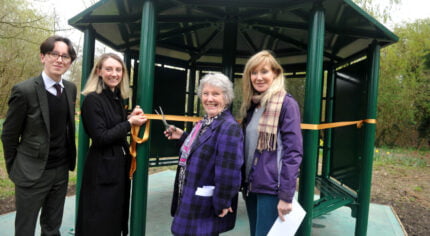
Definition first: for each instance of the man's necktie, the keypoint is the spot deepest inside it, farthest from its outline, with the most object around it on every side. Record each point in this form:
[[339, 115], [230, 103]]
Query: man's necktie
[[58, 88]]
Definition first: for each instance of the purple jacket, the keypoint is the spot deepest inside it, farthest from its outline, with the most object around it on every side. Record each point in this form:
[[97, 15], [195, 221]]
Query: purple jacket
[[215, 159], [264, 176]]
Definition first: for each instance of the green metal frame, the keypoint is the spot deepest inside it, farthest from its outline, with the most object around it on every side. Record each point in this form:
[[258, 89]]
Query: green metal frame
[[244, 26], [328, 118], [191, 94], [369, 142], [83, 141], [229, 52], [311, 115], [144, 95]]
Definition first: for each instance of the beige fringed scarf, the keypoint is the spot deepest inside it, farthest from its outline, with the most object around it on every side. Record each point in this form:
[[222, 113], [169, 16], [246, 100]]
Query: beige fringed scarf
[[268, 124]]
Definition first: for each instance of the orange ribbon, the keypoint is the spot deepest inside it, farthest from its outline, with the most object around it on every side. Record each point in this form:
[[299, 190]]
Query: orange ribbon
[[359, 124], [136, 139]]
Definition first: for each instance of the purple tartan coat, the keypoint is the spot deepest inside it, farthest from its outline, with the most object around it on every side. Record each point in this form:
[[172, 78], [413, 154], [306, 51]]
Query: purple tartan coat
[[216, 159]]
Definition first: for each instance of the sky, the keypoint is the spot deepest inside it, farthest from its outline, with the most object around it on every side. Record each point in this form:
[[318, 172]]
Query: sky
[[409, 10], [65, 9]]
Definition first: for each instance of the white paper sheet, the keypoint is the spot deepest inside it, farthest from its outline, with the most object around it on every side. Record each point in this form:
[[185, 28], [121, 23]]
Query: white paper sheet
[[205, 191], [291, 223]]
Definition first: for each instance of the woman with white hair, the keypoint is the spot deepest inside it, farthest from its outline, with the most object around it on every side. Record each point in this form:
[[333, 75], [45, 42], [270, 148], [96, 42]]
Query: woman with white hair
[[208, 176]]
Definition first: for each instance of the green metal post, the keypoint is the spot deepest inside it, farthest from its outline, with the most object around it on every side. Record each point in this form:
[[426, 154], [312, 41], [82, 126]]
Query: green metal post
[[314, 73], [369, 142], [229, 45], [83, 140], [144, 95], [191, 93], [127, 62], [331, 78], [134, 79]]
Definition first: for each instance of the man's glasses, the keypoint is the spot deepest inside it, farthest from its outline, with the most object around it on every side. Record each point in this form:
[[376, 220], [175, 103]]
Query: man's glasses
[[55, 56]]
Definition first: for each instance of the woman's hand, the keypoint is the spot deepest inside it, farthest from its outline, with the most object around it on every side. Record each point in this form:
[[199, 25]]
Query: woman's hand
[[225, 211], [284, 208], [137, 120], [137, 117], [173, 132], [136, 111]]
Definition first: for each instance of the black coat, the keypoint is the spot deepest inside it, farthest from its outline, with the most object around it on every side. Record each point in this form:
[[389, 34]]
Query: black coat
[[105, 191]]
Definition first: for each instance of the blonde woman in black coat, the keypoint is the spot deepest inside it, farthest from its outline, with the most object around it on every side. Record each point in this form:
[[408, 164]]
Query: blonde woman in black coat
[[105, 192]]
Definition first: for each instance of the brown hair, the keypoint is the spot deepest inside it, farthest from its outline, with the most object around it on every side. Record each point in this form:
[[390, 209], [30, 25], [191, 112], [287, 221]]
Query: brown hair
[[49, 44]]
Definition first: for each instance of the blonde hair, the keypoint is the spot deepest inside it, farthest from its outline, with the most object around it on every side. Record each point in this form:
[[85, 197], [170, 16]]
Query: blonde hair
[[95, 82], [261, 58]]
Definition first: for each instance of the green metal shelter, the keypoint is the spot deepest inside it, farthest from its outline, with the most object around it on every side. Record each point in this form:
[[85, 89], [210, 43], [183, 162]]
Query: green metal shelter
[[333, 45]]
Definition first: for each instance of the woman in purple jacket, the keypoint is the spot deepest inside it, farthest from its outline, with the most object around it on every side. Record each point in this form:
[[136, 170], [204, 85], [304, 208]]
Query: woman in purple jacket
[[208, 176], [273, 143]]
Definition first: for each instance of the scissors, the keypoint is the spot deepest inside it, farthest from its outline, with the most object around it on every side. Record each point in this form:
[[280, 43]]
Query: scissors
[[163, 119]]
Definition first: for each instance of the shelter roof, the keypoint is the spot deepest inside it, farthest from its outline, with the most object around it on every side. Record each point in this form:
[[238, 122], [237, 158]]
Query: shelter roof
[[193, 30]]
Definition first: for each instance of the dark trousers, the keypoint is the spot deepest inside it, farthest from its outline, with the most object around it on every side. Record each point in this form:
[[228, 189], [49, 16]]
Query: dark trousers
[[262, 212], [47, 194]]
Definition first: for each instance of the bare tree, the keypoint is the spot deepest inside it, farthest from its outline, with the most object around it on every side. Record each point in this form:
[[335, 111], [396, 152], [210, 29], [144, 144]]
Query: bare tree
[[21, 31]]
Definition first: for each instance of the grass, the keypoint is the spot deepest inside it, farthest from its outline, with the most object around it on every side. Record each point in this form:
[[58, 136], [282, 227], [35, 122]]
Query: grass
[[401, 157], [7, 188], [418, 189]]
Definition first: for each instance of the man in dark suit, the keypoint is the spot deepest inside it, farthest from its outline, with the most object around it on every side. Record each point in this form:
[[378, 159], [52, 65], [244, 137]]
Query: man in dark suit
[[39, 140]]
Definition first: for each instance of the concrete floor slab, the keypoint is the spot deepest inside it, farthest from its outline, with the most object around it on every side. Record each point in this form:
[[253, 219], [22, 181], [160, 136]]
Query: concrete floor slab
[[382, 219]]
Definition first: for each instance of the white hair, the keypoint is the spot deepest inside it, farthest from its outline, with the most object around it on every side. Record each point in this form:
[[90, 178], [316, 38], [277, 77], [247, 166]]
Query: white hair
[[220, 81]]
